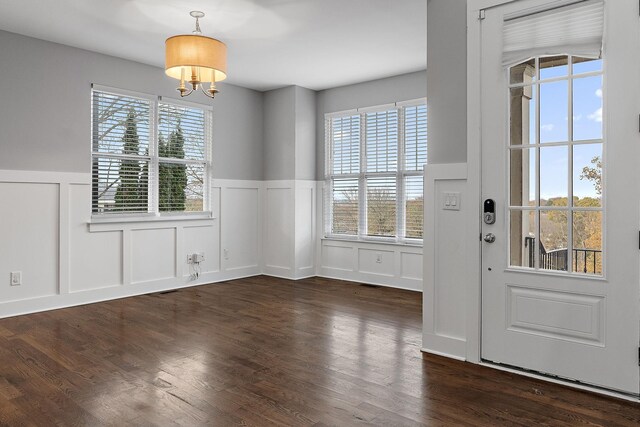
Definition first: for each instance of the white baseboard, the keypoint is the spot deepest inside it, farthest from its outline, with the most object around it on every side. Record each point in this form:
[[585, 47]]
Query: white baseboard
[[55, 302]]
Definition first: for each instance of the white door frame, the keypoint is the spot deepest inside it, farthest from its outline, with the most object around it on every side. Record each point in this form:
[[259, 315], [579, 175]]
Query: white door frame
[[474, 139]]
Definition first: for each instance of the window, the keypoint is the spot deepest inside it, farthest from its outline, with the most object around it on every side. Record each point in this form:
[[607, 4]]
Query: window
[[149, 156], [556, 164], [375, 159]]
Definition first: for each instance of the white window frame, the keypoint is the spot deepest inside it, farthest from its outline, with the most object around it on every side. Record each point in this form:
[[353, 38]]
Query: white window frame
[[153, 213], [400, 176]]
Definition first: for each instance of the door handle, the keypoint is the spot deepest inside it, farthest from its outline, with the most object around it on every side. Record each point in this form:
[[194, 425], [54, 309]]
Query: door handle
[[489, 238]]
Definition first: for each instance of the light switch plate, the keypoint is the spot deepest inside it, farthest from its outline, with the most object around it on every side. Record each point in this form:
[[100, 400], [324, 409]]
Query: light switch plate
[[451, 201]]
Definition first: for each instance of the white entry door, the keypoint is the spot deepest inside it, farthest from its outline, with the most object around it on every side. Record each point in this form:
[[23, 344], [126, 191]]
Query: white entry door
[[560, 159]]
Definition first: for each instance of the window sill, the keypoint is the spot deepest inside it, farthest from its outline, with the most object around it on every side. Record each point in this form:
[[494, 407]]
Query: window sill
[[410, 244], [137, 222]]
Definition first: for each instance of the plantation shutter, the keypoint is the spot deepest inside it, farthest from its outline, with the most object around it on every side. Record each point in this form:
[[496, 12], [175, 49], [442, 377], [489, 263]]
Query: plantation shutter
[[382, 141], [121, 128], [374, 166], [415, 137], [413, 206], [345, 136], [344, 206], [572, 29], [183, 135]]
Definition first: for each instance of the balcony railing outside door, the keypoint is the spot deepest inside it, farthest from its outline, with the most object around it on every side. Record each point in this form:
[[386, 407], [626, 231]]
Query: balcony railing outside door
[[584, 260]]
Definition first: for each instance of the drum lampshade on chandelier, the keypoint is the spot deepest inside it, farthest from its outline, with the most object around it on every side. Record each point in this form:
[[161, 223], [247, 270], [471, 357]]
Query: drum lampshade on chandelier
[[195, 60]]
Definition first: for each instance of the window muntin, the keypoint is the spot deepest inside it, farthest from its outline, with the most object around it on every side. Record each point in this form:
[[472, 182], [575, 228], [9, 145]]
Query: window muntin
[[148, 156], [555, 165], [374, 179]]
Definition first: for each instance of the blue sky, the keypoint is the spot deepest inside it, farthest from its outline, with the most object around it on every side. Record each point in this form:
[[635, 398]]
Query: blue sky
[[555, 124]]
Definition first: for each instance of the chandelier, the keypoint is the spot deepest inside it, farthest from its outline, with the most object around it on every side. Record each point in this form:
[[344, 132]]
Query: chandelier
[[195, 59]]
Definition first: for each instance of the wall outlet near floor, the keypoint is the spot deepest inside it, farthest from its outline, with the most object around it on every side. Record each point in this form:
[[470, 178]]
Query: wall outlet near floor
[[195, 258], [16, 278]]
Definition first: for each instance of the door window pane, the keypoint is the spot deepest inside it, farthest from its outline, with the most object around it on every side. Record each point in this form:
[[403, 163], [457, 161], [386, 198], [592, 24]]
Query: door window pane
[[523, 238], [523, 177], [587, 175], [554, 102], [587, 242], [587, 108], [522, 120], [554, 166], [586, 65], [554, 231], [553, 66]]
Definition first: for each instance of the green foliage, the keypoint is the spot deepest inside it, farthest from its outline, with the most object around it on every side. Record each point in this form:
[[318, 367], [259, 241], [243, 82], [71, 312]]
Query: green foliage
[[594, 173], [172, 177], [128, 195]]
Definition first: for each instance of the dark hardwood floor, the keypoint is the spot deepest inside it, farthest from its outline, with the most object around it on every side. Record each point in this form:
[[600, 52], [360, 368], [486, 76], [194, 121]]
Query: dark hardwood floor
[[263, 351]]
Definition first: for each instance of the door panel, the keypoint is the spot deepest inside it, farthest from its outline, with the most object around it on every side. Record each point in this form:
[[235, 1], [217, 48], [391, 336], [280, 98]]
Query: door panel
[[561, 281]]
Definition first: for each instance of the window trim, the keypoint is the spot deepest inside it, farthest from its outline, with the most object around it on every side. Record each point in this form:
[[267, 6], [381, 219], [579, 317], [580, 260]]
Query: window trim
[[400, 176], [154, 214]]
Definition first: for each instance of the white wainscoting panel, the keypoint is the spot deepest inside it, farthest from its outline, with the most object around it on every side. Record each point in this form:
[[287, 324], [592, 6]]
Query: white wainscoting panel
[[153, 254], [445, 251], [411, 265], [376, 261], [305, 226], [400, 265], [95, 258], [337, 257], [66, 260], [200, 239], [289, 229], [358, 262], [241, 228], [29, 215], [279, 224]]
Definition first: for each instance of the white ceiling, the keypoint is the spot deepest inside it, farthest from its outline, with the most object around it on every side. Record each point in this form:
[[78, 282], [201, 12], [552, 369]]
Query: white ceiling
[[316, 44]]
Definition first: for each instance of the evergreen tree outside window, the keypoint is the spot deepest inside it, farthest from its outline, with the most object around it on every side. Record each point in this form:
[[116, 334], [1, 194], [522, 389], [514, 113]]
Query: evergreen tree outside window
[[149, 157]]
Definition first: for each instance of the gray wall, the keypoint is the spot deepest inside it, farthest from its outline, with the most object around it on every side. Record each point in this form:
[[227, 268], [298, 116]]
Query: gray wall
[[289, 133], [447, 77], [45, 108], [279, 133], [45, 112], [367, 94], [305, 167]]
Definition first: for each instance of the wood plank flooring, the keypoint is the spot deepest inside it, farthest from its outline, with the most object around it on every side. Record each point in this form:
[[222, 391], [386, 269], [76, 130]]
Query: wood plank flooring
[[263, 351]]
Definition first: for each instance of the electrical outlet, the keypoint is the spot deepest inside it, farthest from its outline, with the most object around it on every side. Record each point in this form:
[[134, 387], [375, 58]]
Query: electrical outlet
[[195, 258], [16, 278]]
